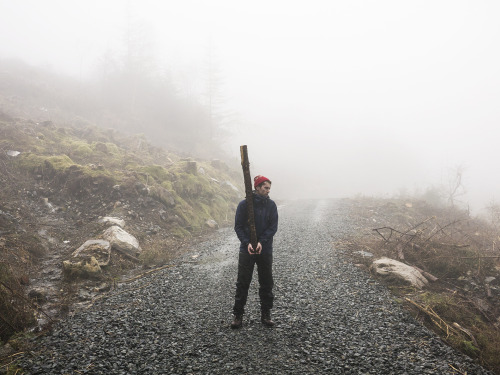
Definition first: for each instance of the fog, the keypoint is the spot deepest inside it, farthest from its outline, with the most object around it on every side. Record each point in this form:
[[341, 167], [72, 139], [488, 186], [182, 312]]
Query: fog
[[333, 98]]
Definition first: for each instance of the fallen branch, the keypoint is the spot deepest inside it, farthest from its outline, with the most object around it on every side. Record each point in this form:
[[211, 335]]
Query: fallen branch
[[145, 273], [466, 331], [115, 294], [12, 361], [391, 229], [457, 370], [455, 257], [426, 274], [419, 224], [435, 318], [441, 229]]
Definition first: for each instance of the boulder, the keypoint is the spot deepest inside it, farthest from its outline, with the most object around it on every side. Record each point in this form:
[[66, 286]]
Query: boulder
[[392, 268], [211, 223], [122, 241], [99, 249], [112, 221], [163, 195]]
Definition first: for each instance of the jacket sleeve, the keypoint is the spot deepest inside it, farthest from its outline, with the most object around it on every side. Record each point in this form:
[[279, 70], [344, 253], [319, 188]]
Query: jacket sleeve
[[272, 226], [241, 223]]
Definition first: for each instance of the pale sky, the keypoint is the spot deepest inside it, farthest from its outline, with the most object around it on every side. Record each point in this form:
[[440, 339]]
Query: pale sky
[[334, 98]]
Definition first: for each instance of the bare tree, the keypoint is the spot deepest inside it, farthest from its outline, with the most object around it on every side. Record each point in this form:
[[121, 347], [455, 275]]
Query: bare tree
[[455, 186]]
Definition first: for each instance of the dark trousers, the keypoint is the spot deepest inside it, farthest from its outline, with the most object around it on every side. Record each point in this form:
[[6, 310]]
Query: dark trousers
[[246, 263]]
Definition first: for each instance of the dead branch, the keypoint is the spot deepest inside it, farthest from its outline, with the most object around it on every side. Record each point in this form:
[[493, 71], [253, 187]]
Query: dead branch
[[426, 274], [419, 224], [476, 257], [441, 229], [145, 273], [435, 318], [399, 249], [405, 233], [11, 357], [129, 281], [115, 294], [457, 370], [391, 229], [466, 331]]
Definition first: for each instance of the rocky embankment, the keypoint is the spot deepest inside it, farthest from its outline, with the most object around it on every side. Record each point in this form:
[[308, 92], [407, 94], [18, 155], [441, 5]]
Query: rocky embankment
[[330, 316]]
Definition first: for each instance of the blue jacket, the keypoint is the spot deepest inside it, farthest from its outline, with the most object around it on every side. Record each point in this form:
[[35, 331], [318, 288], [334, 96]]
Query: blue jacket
[[266, 223]]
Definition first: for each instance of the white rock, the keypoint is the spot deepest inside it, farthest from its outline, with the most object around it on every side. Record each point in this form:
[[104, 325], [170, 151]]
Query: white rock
[[211, 223], [391, 267], [228, 183], [121, 240], [489, 279]]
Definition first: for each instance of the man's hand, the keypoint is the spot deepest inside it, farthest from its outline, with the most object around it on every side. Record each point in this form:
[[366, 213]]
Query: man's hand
[[256, 251]]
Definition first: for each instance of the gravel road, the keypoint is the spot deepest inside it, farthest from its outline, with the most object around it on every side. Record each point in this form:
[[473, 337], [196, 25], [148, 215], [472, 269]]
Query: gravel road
[[330, 317]]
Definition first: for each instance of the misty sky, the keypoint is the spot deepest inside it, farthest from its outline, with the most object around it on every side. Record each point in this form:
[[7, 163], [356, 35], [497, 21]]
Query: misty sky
[[333, 98]]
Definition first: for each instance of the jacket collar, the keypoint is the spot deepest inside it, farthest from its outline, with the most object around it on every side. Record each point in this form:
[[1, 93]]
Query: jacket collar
[[260, 198]]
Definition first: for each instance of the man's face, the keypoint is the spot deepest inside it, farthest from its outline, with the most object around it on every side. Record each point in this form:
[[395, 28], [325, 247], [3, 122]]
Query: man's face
[[263, 189]]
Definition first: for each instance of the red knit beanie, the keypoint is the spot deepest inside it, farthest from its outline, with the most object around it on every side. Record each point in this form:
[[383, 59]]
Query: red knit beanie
[[257, 180]]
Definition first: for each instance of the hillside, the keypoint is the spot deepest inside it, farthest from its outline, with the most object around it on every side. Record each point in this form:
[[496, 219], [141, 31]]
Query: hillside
[[58, 181]]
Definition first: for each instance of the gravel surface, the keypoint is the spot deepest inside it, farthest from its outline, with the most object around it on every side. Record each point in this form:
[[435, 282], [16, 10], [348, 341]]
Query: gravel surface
[[330, 317]]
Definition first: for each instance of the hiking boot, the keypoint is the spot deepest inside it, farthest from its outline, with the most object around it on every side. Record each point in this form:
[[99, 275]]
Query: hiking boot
[[237, 322], [266, 319]]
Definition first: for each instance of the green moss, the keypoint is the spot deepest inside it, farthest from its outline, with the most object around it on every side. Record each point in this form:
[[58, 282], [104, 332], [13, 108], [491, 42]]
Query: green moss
[[13, 369], [168, 185], [112, 148], [81, 149], [193, 186], [469, 348], [32, 162], [158, 172], [180, 232], [97, 172]]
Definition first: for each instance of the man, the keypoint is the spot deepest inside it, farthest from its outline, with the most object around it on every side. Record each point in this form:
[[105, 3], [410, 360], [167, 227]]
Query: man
[[266, 225]]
